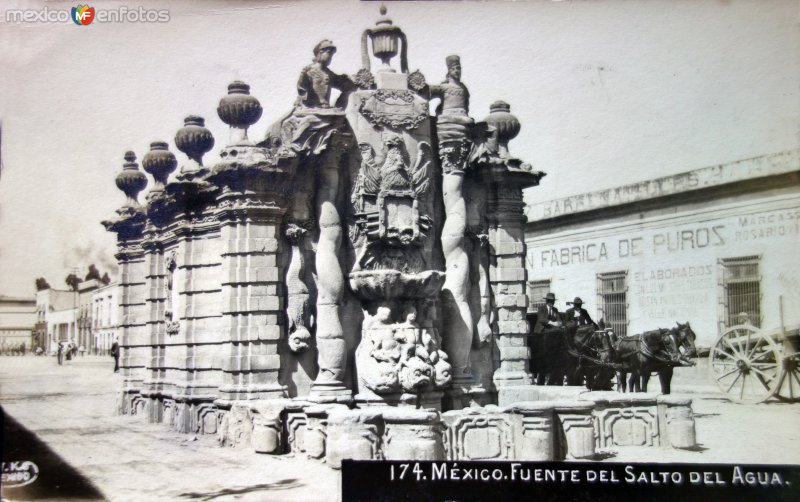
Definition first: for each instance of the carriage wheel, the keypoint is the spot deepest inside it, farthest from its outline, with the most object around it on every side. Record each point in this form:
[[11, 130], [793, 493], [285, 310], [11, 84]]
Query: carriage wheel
[[746, 364], [788, 387]]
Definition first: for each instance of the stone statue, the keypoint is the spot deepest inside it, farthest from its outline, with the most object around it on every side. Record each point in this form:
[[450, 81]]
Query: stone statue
[[316, 80], [454, 128], [309, 128], [453, 122]]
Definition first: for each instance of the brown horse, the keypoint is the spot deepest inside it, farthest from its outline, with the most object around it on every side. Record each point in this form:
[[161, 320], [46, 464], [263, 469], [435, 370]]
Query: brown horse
[[654, 351]]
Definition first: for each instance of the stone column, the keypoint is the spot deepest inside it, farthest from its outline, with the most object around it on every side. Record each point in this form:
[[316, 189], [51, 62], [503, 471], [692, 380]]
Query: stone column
[[198, 373], [250, 208], [331, 345], [159, 240], [154, 383], [252, 296], [197, 294], [506, 177], [134, 337], [508, 280]]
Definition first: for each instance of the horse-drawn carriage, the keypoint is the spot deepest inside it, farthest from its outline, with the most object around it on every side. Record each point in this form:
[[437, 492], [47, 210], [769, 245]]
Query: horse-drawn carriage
[[593, 355], [751, 365]]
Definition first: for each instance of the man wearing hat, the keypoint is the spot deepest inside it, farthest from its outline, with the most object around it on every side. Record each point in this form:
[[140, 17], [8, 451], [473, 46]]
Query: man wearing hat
[[548, 342], [577, 314]]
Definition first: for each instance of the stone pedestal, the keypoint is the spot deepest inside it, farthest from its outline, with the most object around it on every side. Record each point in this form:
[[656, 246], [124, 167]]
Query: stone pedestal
[[677, 421], [315, 434], [535, 440], [412, 435], [576, 430], [236, 427], [353, 434], [625, 419], [267, 426], [480, 433]]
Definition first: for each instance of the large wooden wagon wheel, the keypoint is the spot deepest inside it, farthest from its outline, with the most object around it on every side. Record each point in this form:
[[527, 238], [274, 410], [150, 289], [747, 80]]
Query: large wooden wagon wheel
[[747, 364]]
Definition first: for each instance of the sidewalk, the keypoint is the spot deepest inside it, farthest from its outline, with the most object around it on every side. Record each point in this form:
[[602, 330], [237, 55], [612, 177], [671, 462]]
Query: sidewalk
[[70, 409]]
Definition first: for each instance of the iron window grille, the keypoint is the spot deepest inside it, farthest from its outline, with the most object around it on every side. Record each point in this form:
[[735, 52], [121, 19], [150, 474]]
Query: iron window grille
[[536, 292], [612, 300], [741, 286]]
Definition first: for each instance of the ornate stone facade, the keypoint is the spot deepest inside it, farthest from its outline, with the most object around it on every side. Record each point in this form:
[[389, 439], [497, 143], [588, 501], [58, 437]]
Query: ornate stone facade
[[351, 286]]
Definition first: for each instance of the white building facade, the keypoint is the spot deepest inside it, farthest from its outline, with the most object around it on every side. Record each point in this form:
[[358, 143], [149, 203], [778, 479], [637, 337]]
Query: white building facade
[[17, 321], [104, 318], [703, 246]]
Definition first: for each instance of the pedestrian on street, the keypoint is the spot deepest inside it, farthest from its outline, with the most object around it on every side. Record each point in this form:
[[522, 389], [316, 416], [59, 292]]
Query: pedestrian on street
[[60, 353], [115, 355]]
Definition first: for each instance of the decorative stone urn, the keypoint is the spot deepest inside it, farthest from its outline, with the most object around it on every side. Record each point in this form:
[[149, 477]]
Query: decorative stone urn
[[131, 180], [159, 162], [194, 140], [506, 125], [239, 110]]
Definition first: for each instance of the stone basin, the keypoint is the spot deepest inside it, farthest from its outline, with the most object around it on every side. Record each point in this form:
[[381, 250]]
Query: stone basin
[[373, 285]]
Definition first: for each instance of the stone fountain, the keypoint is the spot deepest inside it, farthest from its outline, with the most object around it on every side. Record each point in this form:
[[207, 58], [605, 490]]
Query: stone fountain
[[354, 284]]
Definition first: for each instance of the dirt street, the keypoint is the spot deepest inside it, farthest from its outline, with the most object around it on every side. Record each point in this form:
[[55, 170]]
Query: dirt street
[[69, 409]]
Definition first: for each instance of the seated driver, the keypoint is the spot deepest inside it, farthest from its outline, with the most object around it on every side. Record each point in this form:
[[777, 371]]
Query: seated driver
[[578, 315]]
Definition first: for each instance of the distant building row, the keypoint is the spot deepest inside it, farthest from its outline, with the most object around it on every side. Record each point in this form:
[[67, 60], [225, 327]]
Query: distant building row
[[86, 317]]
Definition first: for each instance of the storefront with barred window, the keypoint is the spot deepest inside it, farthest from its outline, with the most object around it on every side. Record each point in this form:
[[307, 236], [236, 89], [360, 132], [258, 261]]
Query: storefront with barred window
[[711, 246]]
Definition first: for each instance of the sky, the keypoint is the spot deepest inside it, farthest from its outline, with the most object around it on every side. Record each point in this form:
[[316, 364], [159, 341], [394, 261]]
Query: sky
[[608, 92]]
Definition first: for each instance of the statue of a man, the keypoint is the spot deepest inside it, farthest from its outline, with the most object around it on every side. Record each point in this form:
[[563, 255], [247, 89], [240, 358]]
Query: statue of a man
[[309, 127], [316, 80], [452, 113], [453, 93]]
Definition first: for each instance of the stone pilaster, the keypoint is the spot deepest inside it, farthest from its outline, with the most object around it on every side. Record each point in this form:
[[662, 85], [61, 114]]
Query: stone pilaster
[[507, 276], [198, 374], [252, 295], [134, 337], [506, 177], [155, 386]]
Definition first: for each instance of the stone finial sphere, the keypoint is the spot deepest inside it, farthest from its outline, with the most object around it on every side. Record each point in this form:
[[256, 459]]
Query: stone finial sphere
[[194, 139], [159, 161], [131, 180], [239, 108], [501, 118]]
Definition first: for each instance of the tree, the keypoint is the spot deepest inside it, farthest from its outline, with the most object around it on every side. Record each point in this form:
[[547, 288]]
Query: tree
[[41, 284], [106, 279], [72, 281], [93, 273]]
